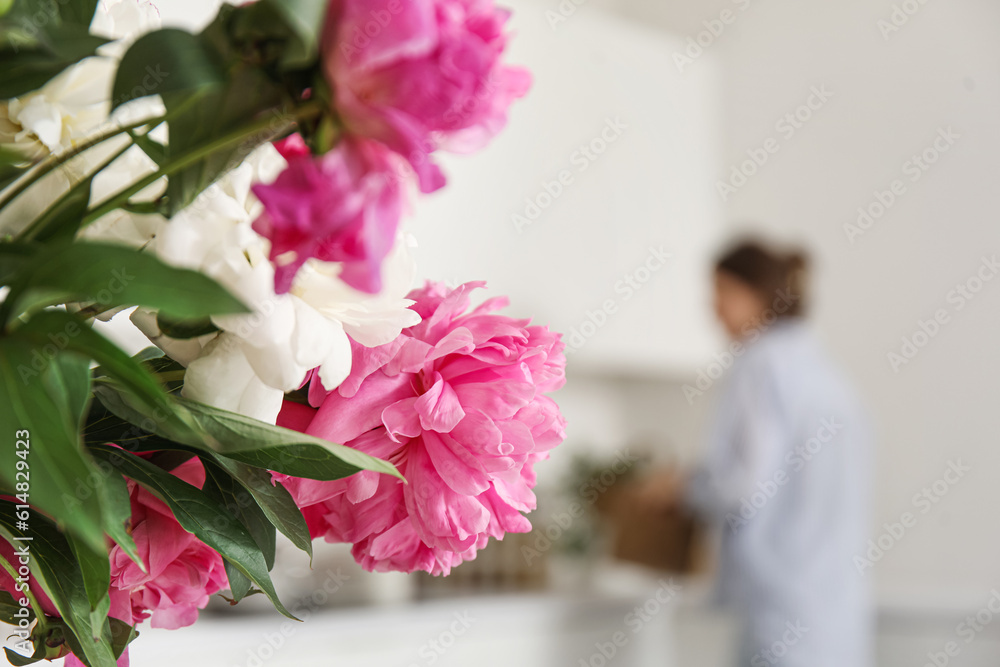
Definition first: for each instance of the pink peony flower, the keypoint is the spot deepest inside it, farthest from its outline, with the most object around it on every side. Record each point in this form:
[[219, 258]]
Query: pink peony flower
[[182, 571], [343, 206], [457, 404], [421, 75]]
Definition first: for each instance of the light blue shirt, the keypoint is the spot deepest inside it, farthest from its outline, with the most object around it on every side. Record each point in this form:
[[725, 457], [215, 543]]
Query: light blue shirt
[[786, 474]]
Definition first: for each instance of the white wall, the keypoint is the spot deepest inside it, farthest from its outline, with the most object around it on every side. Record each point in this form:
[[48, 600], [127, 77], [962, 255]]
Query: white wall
[[562, 251], [889, 99]]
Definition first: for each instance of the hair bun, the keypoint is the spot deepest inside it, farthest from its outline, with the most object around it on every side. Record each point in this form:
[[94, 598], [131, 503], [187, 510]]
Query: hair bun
[[769, 271]]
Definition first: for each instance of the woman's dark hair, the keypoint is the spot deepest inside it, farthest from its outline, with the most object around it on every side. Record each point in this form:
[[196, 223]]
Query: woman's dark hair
[[779, 277]]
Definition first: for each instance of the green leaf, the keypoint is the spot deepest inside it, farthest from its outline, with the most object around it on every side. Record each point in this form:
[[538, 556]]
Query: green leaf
[[9, 606], [184, 329], [170, 459], [167, 371], [245, 439], [42, 14], [249, 94], [147, 353], [51, 354], [103, 426], [221, 487], [274, 501], [60, 476], [99, 617], [239, 584], [13, 259], [280, 449], [157, 152], [304, 18], [307, 461], [62, 331], [198, 514], [163, 62], [113, 275], [62, 220], [117, 515], [96, 570], [117, 417], [20, 660], [121, 635], [78, 12], [34, 50], [94, 565], [68, 375], [59, 574], [12, 165]]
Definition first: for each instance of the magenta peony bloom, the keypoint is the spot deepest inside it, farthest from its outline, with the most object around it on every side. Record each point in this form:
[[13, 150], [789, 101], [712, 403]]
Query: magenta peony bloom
[[343, 206], [457, 404], [421, 75], [182, 571]]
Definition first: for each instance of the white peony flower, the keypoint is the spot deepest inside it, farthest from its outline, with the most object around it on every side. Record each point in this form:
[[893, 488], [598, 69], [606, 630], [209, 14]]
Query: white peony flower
[[77, 101], [123, 21], [224, 377], [69, 107], [370, 319], [120, 226], [73, 107], [257, 357]]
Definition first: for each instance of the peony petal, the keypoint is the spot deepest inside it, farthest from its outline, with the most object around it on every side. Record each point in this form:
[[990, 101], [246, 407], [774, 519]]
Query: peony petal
[[500, 399], [443, 518], [340, 419], [295, 416], [439, 407], [401, 419], [361, 486], [458, 468]]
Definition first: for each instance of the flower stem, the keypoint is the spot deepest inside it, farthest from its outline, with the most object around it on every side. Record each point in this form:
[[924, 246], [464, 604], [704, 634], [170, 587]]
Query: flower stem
[[192, 157], [36, 226], [52, 161]]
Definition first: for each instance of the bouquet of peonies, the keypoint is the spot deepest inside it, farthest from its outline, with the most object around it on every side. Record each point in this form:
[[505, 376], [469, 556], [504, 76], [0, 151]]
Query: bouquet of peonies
[[238, 194]]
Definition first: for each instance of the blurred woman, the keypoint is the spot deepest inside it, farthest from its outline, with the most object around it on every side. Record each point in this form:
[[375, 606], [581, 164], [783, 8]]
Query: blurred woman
[[785, 475]]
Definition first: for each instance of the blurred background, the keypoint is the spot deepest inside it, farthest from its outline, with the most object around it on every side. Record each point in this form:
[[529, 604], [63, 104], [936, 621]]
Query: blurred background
[[867, 132]]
